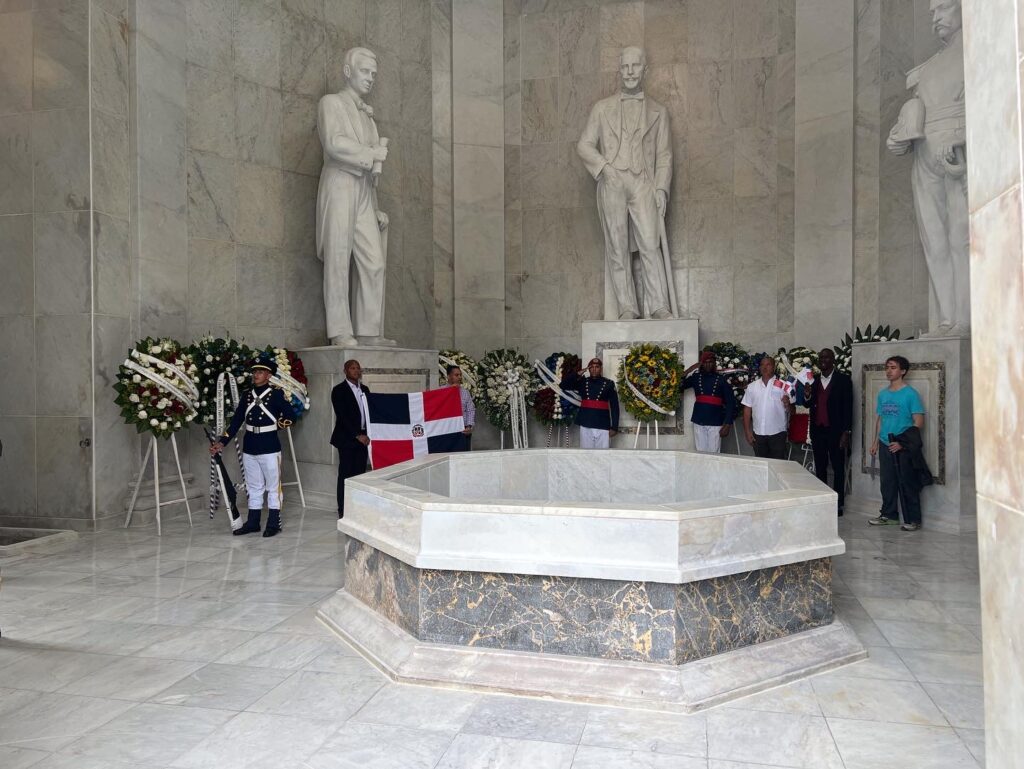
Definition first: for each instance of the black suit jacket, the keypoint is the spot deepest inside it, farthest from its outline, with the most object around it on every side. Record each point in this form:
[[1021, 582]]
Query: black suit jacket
[[347, 418], [840, 402]]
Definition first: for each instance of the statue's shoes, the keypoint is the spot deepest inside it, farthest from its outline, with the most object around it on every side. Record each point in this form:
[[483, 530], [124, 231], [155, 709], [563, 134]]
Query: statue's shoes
[[661, 315], [959, 331], [627, 315], [344, 341]]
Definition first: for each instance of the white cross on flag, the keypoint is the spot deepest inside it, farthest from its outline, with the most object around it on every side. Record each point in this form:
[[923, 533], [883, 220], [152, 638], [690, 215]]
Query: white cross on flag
[[410, 425]]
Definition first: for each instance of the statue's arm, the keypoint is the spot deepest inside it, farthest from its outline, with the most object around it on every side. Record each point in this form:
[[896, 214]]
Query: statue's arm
[[339, 146], [586, 147], [663, 156]]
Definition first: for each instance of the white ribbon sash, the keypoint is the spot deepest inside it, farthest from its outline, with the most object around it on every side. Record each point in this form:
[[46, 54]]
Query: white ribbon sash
[[174, 370], [289, 383], [467, 377], [547, 376], [162, 382], [644, 399]]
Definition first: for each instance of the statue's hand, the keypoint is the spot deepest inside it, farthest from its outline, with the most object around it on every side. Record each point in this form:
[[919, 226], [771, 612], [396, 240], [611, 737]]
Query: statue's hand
[[382, 220], [661, 197], [380, 153]]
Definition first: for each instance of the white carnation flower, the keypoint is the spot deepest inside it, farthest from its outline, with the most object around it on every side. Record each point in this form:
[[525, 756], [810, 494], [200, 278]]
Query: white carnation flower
[[163, 425], [189, 417], [177, 425], [154, 422], [142, 414], [206, 371], [209, 359], [155, 349], [133, 398]]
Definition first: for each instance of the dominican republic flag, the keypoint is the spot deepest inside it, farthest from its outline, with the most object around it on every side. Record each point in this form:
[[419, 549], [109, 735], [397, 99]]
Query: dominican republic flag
[[413, 424]]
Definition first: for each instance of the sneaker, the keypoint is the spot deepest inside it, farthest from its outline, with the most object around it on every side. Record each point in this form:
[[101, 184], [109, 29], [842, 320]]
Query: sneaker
[[882, 521], [910, 527]]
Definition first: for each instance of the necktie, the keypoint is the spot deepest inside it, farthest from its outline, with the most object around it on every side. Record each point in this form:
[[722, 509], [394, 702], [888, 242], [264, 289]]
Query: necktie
[[639, 96]]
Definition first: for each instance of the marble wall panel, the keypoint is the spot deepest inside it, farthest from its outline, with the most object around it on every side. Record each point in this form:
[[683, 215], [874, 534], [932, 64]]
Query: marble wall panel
[[60, 156], [578, 479], [579, 40], [540, 103], [257, 123], [383, 583], [303, 56], [210, 33], [261, 218], [18, 470], [165, 288], [211, 111], [258, 285], [477, 67], [60, 57], [110, 164], [15, 163], [18, 357], [63, 385], [17, 289], [62, 263], [109, 65], [666, 31], [111, 269], [212, 197], [16, 62], [710, 30], [212, 299], [539, 38], [256, 41], [63, 467], [479, 478]]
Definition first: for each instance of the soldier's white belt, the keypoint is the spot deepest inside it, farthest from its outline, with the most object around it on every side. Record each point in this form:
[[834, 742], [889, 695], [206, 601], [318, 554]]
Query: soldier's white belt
[[264, 429]]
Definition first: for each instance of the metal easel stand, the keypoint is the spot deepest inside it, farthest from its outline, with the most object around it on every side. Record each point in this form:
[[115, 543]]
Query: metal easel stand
[[295, 466], [154, 449], [647, 426]]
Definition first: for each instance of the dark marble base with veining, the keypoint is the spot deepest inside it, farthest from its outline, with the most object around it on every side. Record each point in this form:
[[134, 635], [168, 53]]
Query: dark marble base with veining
[[607, 619]]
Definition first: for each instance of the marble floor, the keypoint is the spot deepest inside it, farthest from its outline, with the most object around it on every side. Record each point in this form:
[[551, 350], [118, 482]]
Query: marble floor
[[198, 649]]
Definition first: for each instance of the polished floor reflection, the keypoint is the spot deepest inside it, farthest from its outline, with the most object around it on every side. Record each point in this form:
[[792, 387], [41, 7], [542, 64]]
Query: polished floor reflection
[[198, 649]]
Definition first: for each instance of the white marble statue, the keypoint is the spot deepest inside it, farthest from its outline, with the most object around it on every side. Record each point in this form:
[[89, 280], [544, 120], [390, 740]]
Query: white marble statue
[[933, 126], [627, 148], [351, 231]]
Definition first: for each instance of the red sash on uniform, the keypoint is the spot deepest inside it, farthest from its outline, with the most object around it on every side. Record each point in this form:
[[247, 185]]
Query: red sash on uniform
[[588, 404], [711, 400]]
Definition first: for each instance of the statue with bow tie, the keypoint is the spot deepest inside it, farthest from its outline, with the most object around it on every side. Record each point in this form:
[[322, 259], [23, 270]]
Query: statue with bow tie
[[627, 148], [351, 231]]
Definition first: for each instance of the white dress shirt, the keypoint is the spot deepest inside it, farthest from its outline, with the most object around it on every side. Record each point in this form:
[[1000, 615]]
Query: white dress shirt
[[361, 400], [826, 380], [769, 415]]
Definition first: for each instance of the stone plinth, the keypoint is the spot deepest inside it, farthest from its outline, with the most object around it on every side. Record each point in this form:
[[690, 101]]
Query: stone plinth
[[385, 369], [940, 370], [459, 567], [610, 340]]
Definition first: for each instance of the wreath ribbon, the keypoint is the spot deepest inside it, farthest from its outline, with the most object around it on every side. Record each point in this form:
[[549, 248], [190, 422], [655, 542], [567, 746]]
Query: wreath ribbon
[[547, 376], [288, 382], [467, 376], [644, 399], [162, 382], [177, 372]]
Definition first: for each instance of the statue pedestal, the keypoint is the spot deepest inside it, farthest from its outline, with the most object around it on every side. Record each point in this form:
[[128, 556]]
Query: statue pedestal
[[385, 370], [610, 340], [940, 370]]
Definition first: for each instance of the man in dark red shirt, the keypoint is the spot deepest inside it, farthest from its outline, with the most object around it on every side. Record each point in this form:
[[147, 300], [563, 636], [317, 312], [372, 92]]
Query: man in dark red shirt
[[830, 399]]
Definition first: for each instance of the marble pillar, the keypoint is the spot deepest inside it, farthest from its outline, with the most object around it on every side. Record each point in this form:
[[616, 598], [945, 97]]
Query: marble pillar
[[996, 195]]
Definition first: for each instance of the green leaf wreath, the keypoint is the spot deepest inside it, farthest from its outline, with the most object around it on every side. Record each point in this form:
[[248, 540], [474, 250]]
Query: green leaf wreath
[[212, 356], [844, 351], [549, 407], [144, 391], [729, 355], [657, 373]]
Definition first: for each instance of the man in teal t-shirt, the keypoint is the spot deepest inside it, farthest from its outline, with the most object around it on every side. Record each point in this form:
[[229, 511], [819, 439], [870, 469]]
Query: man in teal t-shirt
[[899, 409]]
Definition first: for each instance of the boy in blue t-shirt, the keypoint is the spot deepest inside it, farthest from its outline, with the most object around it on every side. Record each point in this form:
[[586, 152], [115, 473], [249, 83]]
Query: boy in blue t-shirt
[[899, 409]]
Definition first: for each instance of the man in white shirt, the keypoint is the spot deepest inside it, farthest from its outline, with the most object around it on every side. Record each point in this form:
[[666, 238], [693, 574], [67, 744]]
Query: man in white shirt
[[767, 404], [454, 374], [350, 419]]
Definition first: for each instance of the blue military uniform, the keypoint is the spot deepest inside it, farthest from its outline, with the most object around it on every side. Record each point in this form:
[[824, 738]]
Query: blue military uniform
[[599, 408], [262, 410]]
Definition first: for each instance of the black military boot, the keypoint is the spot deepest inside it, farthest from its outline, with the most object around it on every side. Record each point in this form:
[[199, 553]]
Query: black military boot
[[252, 523], [273, 523]]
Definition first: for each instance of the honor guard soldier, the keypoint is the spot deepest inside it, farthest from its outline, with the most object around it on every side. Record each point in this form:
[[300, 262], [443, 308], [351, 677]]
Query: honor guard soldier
[[263, 410], [598, 416], [715, 407]]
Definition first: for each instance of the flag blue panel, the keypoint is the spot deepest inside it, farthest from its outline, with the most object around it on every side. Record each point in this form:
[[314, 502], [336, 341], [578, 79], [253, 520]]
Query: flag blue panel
[[388, 409]]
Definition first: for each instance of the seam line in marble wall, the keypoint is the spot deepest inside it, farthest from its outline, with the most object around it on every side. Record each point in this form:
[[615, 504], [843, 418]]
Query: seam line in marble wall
[[92, 274]]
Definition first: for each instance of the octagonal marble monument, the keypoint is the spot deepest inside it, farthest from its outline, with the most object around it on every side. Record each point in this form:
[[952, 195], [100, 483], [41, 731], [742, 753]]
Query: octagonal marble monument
[[654, 579]]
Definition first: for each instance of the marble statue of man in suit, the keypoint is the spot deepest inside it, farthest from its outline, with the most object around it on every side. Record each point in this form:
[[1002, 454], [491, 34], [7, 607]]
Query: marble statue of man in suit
[[933, 125], [351, 231], [627, 147]]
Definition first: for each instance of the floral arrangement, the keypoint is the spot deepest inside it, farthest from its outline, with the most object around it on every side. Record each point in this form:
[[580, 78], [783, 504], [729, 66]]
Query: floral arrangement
[[656, 373], [549, 407], [730, 356], [799, 357], [291, 378], [464, 362], [844, 351], [157, 387], [496, 373], [213, 356]]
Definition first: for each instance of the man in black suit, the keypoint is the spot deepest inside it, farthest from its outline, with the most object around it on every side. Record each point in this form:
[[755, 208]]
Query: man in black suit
[[830, 399], [350, 420]]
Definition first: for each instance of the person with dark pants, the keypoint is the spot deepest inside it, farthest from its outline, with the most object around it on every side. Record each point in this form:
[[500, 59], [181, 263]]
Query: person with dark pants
[[830, 399], [350, 420], [898, 423], [767, 403]]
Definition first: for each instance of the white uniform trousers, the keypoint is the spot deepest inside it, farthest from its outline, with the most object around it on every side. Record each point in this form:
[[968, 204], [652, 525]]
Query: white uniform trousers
[[706, 439], [263, 474], [593, 438]]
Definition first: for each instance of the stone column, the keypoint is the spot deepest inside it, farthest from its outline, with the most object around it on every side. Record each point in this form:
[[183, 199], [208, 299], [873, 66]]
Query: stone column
[[992, 47], [478, 133], [823, 215]]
